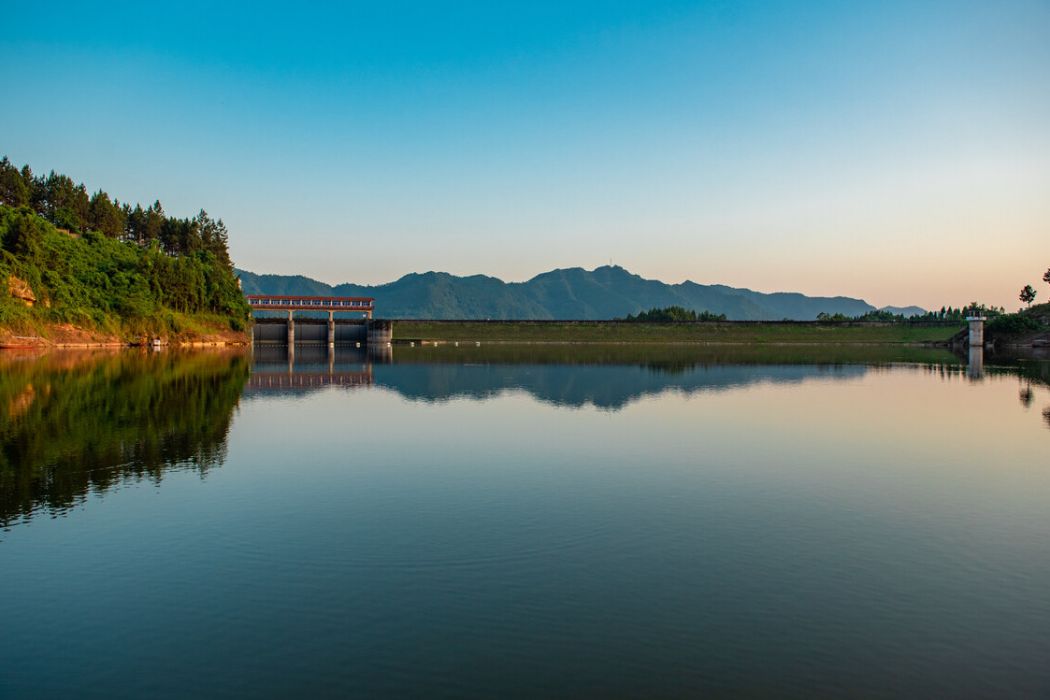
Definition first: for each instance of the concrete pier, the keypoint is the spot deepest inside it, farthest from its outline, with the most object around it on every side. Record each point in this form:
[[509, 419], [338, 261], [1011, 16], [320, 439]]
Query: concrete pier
[[380, 332], [291, 330], [976, 338], [331, 329]]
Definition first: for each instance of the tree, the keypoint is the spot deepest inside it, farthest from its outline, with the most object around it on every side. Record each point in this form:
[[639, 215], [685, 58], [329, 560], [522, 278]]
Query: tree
[[152, 222], [104, 216], [25, 235], [671, 314], [1028, 294], [67, 203], [1046, 276], [13, 189], [37, 190]]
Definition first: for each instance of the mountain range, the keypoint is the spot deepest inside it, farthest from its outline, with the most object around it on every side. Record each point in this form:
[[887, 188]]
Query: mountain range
[[606, 292]]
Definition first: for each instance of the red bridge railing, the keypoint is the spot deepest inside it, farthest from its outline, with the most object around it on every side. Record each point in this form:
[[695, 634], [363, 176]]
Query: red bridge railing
[[277, 302]]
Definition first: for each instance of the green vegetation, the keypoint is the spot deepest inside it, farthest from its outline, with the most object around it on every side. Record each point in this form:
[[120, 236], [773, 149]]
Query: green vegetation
[[947, 314], [1027, 325], [102, 266], [71, 423], [67, 206], [673, 314], [1018, 327], [634, 332]]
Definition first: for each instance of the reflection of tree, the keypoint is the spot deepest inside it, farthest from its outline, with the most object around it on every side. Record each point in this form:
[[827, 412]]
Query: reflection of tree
[[71, 423], [1046, 415], [1026, 395]]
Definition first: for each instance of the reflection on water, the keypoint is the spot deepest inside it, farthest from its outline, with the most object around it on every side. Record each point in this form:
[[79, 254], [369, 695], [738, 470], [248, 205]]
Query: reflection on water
[[975, 362], [79, 422], [608, 377], [664, 521], [73, 423]]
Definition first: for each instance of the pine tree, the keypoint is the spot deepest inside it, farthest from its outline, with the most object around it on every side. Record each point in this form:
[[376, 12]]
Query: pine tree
[[13, 190], [104, 216], [153, 224]]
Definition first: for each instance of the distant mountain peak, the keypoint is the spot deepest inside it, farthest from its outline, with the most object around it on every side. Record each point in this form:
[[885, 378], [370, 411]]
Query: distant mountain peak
[[906, 311], [607, 291]]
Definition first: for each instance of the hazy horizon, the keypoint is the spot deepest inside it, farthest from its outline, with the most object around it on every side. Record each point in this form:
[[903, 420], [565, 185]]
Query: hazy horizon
[[896, 153]]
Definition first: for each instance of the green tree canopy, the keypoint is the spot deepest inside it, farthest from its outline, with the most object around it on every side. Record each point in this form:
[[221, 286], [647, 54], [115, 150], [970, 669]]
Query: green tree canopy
[[673, 314], [66, 204], [13, 189]]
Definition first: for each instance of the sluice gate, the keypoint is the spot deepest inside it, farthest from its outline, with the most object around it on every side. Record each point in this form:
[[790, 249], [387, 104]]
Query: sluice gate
[[319, 331]]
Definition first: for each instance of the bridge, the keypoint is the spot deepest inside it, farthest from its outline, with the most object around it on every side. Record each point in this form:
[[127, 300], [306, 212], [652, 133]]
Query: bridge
[[289, 303], [363, 329]]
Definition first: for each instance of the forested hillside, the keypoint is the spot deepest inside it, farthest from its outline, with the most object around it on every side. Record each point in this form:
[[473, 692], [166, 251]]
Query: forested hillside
[[94, 263]]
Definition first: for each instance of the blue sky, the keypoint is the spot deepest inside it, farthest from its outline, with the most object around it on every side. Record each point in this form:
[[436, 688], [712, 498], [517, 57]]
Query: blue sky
[[897, 151]]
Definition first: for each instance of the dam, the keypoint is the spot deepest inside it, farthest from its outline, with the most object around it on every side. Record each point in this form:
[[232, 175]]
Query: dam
[[314, 328]]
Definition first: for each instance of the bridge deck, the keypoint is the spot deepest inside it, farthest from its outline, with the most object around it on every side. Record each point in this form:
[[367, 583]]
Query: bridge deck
[[281, 302]]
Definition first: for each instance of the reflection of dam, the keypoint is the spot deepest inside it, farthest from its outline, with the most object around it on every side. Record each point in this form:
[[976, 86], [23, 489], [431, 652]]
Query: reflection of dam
[[261, 381], [275, 369]]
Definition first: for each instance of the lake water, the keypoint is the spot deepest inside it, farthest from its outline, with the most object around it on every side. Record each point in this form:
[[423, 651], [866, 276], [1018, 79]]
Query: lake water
[[525, 522]]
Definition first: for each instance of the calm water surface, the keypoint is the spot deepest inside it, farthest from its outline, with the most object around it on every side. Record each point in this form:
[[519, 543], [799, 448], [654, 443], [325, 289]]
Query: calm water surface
[[545, 522]]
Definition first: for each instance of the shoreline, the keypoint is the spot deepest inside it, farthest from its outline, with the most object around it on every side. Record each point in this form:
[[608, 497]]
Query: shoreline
[[73, 338], [557, 333], [120, 345]]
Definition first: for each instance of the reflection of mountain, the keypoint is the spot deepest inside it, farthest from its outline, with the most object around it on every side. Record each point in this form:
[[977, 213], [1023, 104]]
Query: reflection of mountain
[[71, 423], [608, 377], [604, 386]]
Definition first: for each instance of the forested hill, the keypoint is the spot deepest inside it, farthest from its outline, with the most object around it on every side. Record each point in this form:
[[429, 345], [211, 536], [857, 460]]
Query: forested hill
[[604, 293], [73, 261]]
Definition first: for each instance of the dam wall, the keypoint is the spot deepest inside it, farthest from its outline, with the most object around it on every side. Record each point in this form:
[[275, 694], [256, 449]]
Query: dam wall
[[319, 331]]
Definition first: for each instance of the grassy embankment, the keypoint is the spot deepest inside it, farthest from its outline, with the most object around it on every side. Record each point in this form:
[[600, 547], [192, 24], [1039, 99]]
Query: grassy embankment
[[672, 356], [58, 288], [743, 333]]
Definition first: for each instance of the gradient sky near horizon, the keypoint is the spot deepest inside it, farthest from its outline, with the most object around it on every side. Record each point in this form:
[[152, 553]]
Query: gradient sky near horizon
[[895, 151]]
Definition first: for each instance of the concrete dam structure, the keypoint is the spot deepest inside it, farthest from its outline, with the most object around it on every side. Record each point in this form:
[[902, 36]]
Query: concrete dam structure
[[319, 331], [314, 329], [976, 331]]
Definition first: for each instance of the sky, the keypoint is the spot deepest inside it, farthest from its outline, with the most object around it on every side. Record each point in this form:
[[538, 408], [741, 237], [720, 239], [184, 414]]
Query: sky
[[897, 151]]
